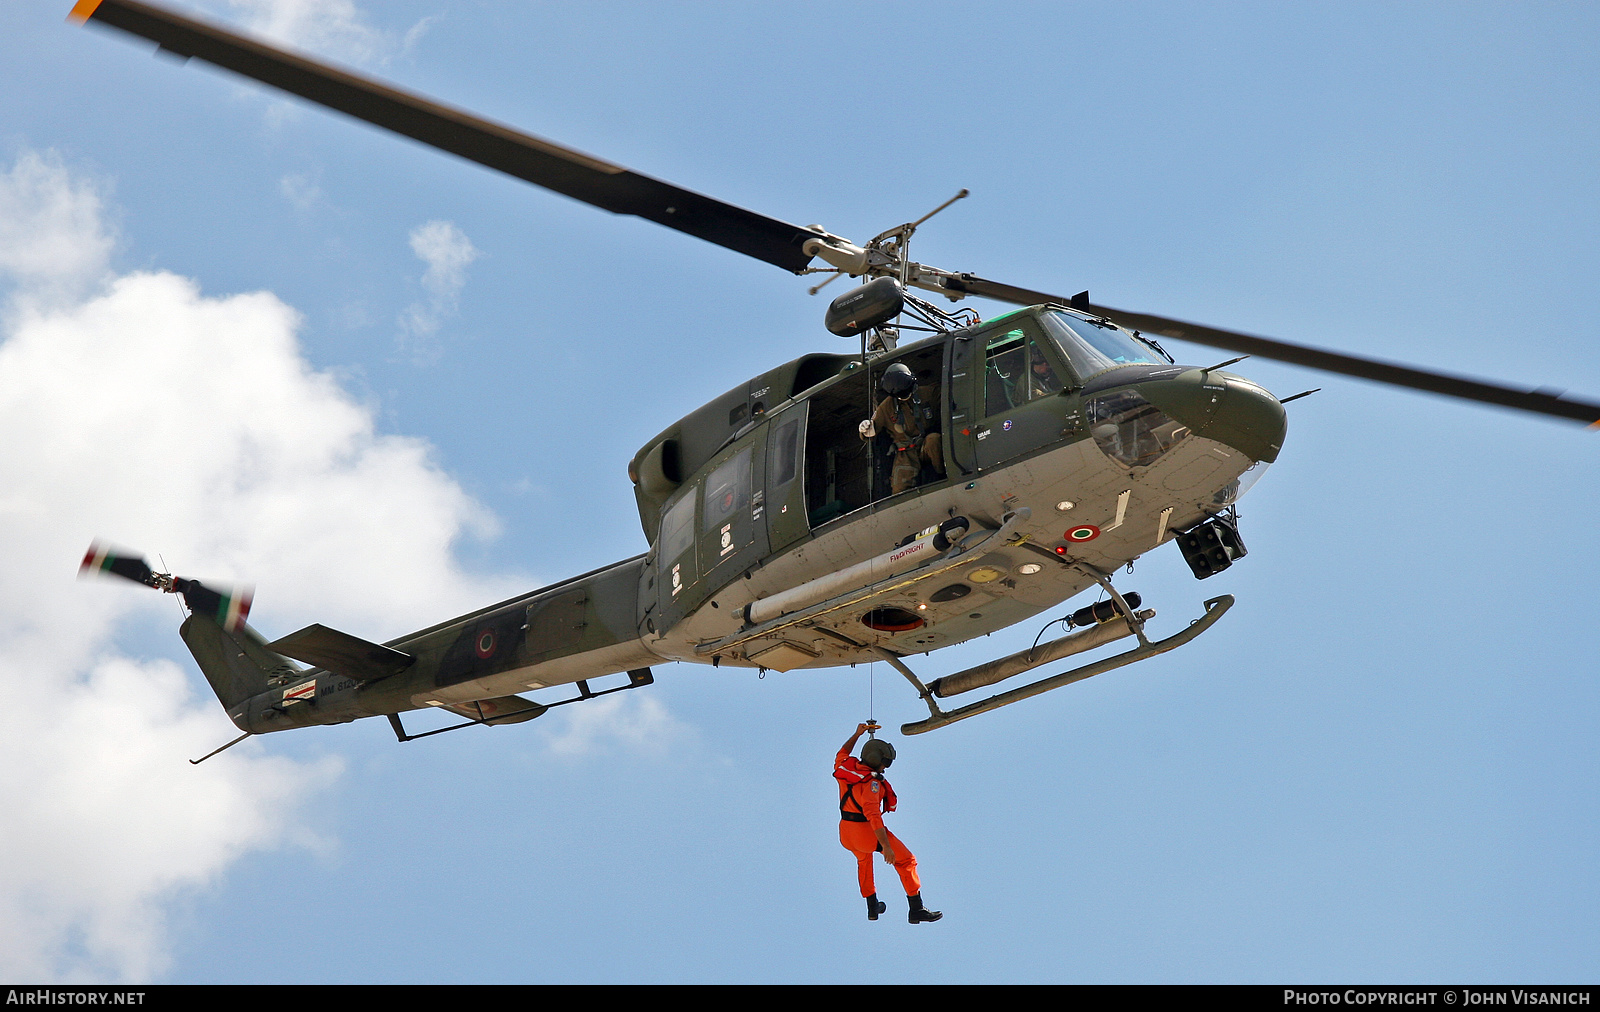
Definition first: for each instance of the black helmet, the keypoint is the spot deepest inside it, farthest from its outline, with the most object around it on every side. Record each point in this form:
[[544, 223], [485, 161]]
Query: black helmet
[[877, 753], [898, 381]]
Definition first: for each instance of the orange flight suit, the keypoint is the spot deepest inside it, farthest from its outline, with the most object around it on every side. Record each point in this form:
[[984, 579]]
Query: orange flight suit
[[863, 798]]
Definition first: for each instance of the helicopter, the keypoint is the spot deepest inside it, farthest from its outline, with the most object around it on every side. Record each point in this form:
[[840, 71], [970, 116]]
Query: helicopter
[[776, 538]]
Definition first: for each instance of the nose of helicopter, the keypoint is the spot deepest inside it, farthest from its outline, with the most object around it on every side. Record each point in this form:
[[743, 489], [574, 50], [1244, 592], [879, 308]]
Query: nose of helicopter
[[1248, 418], [1228, 408]]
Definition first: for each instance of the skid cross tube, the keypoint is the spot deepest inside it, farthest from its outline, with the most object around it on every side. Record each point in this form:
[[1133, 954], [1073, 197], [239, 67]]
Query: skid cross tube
[[916, 683], [1215, 608], [1134, 621]]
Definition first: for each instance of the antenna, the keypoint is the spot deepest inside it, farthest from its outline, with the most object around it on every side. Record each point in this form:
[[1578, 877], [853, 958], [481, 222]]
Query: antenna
[[897, 241]]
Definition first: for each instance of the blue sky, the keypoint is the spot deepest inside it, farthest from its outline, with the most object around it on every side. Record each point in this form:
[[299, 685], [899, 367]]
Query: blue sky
[[1380, 765]]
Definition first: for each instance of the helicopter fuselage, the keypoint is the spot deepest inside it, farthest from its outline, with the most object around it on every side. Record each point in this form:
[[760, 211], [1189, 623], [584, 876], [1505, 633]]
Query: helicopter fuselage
[[775, 532], [1105, 467], [772, 487]]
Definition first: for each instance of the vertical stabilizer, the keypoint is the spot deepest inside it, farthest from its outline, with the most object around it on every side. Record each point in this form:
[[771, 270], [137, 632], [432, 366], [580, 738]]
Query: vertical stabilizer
[[237, 664]]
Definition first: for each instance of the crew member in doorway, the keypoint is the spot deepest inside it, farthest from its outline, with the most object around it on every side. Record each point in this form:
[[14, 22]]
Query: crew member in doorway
[[909, 424], [863, 798]]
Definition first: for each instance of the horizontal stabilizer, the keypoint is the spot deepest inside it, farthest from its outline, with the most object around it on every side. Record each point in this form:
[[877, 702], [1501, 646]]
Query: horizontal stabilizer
[[342, 653], [500, 710]]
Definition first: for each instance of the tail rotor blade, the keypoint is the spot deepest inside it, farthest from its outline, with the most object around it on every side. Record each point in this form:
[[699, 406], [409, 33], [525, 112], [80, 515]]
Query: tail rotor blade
[[228, 606], [105, 559]]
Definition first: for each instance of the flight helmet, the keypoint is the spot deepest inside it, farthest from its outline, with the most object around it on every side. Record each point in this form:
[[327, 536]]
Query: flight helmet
[[877, 753], [898, 381]]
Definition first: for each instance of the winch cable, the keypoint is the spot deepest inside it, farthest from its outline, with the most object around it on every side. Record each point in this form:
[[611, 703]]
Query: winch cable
[[872, 698]]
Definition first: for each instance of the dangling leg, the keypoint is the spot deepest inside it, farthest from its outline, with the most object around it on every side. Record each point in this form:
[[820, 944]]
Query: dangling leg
[[933, 452], [864, 874], [907, 464], [905, 864], [859, 840]]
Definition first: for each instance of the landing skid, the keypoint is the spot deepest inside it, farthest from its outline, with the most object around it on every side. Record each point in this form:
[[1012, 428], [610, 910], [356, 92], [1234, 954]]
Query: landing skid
[[1215, 608]]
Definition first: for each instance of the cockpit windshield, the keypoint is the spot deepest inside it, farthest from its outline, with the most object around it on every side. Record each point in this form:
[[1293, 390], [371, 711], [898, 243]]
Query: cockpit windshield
[[1093, 347]]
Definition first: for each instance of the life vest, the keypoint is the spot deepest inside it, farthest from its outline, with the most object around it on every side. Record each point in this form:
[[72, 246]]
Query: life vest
[[906, 420], [851, 772]]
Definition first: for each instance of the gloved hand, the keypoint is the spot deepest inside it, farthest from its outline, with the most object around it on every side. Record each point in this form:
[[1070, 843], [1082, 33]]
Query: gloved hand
[[867, 429]]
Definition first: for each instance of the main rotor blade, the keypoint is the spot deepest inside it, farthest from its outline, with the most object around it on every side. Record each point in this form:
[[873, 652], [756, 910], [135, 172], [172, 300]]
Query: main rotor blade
[[541, 162], [1314, 358]]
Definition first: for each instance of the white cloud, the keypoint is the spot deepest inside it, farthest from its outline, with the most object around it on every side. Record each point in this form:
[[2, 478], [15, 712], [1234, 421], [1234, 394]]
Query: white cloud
[[105, 819], [301, 190], [336, 30], [190, 425], [53, 239], [626, 721], [333, 28], [448, 252]]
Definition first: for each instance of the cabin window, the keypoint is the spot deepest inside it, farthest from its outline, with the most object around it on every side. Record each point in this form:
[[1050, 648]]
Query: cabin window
[[727, 490], [785, 454], [677, 529]]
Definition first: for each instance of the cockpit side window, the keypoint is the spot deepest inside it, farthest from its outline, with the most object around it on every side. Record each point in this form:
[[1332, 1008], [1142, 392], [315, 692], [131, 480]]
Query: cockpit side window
[[1016, 370]]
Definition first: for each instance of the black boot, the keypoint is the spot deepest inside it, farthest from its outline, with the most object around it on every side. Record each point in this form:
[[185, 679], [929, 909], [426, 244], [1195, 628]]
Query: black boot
[[919, 913], [875, 907]]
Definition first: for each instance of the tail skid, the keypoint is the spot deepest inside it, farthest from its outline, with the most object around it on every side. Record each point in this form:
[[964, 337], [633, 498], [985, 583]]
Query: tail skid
[[237, 663]]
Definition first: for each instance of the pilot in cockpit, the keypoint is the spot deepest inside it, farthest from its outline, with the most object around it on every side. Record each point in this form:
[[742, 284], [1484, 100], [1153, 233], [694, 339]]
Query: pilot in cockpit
[[1040, 378]]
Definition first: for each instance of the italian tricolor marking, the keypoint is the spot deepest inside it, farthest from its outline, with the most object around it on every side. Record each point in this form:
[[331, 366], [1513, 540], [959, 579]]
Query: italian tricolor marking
[[98, 559], [233, 609]]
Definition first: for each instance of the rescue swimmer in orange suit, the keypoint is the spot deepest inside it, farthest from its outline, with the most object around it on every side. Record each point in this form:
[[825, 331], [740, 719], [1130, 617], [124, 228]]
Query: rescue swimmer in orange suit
[[863, 798]]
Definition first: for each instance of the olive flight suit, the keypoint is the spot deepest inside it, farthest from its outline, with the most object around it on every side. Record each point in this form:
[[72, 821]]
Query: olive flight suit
[[903, 422]]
